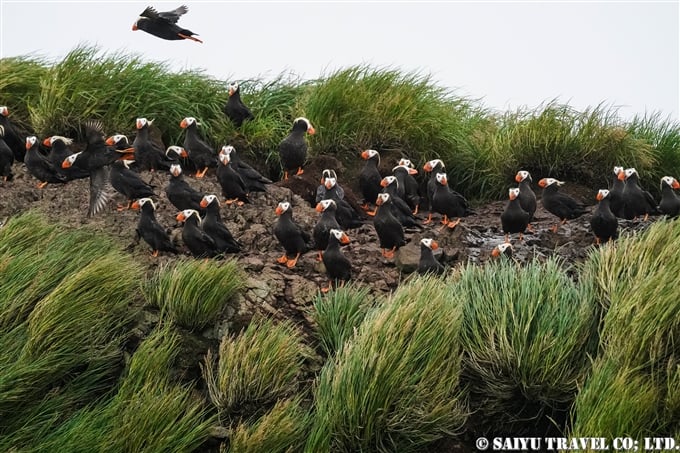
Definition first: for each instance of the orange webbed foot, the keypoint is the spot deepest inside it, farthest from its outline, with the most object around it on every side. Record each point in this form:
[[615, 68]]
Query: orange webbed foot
[[299, 171], [283, 259]]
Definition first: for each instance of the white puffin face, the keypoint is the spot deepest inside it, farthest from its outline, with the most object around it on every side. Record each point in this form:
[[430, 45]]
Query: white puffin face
[[4, 111], [141, 122], [72, 158], [337, 233], [670, 181], [227, 149], [326, 203], [513, 193], [30, 141], [233, 87], [175, 170], [618, 170], [330, 182], [209, 198], [630, 172], [405, 163], [187, 213], [65, 140], [504, 246], [382, 198], [549, 182], [224, 158], [522, 175], [441, 178], [284, 206], [143, 201], [174, 149], [371, 153], [427, 242], [389, 180]]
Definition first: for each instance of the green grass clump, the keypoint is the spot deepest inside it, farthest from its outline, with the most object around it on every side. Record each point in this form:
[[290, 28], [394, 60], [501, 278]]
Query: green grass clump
[[193, 293], [20, 79], [395, 386], [283, 429], [338, 315], [527, 333], [259, 366]]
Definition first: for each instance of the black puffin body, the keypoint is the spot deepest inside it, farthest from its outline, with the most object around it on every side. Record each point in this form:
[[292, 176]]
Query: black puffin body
[[558, 203], [369, 178], [39, 166], [164, 24], [514, 219], [347, 217], [291, 236], [128, 183], [253, 180], [448, 203], [404, 172], [150, 230], [13, 140], [199, 243], [148, 155], [636, 201], [59, 151], [603, 221], [215, 228], [235, 109], [400, 209], [200, 153], [321, 191], [325, 224], [527, 197], [428, 264], [338, 267], [233, 187], [389, 229], [180, 193], [616, 193], [433, 167], [6, 157], [293, 148], [670, 202]]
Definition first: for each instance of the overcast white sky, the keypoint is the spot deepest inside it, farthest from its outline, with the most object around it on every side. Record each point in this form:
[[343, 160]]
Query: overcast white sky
[[508, 54]]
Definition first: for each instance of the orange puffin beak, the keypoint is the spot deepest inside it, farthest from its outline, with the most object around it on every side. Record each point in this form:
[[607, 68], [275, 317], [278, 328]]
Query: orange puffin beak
[[364, 155], [134, 27], [203, 204], [427, 167], [495, 252], [444, 181], [676, 184], [183, 124], [513, 196], [621, 176], [599, 196], [138, 124], [518, 177], [434, 245], [542, 183], [319, 208], [135, 205], [66, 164], [311, 130], [279, 211], [412, 171], [379, 201], [28, 145], [383, 183], [344, 239], [180, 217], [328, 185], [231, 91], [47, 142], [109, 141]]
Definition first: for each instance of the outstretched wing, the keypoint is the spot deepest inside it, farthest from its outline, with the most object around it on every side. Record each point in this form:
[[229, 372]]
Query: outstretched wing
[[174, 15], [150, 12], [101, 190]]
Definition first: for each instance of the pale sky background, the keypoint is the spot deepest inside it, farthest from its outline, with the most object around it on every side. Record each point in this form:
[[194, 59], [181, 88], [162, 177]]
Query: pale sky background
[[506, 54]]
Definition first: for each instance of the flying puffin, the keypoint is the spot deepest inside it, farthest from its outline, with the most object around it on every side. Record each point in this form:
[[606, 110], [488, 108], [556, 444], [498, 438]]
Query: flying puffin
[[6, 157], [128, 183], [201, 155], [149, 229], [514, 219], [670, 202], [327, 221], [59, 150], [603, 221], [233, 187], [448, 203], [164, 24], [616, 192], [338, 267], [148, 155], [199, 243], [97, 159], [527, 196], [428, 264], [369, 178], [293, 148], [559, 204], [291, 236], [408, 186], [215, 228], [180, 193], [636, 201], [253, 180], [39, 166], [321, 188], [389, 229], [235, 109], [11, 137]]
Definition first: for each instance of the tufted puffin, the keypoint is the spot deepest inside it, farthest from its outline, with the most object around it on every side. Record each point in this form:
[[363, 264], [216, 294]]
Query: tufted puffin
[[6, 157], [321, 188], [670, 202], [215, 228], [400, 209], [39, 166], [253, 180], [428, 264], [514, 219], [128, 183], [200, 153], [149, 229], [369, 178], [11, 137], [338, 267], [235, 109], [347, 216], [603, 221], [527, 196], [180, 193], [59, 150], [433, 167], [291, 236], [293, 148], [325, 224], [97, 159], [148, 155], [408, 186], [118, 141], [504, 249], [559, 204], [389, 229], [164, 24], [199, 243], [233, 187], [448, 202], [636, 201], [616, 192]]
